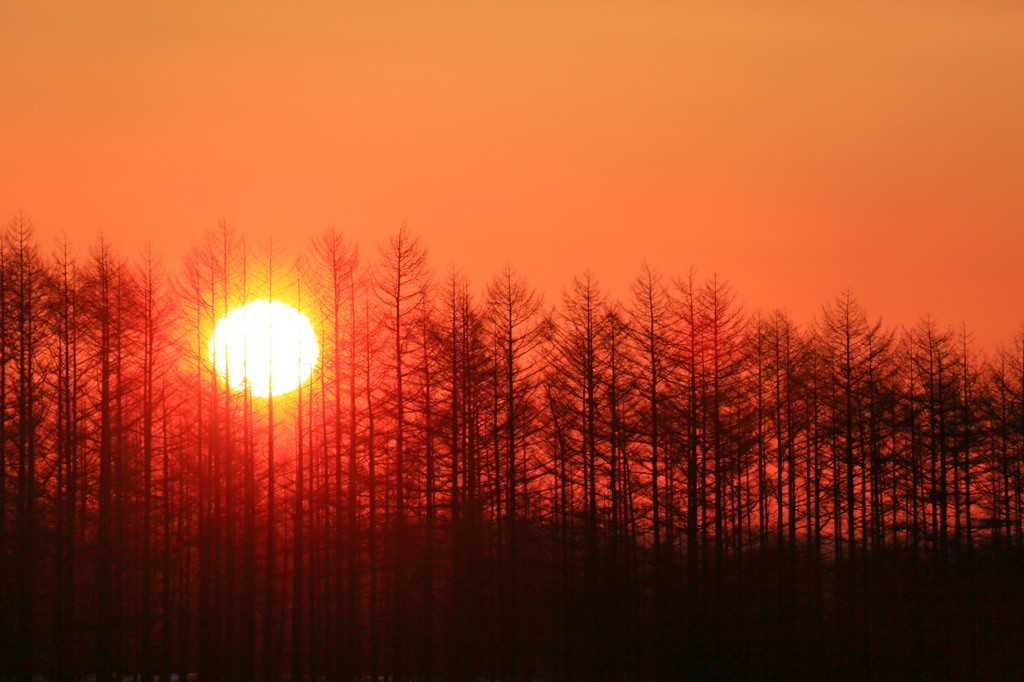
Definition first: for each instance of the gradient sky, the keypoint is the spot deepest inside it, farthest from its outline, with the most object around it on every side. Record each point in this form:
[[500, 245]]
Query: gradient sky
[[795, 148]]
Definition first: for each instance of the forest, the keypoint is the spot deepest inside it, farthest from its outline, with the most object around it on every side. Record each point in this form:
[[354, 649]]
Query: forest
[[487, 482]]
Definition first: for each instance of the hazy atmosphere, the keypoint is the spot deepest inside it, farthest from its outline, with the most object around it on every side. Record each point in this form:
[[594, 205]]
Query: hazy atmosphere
[[795, 148], [511, 341]]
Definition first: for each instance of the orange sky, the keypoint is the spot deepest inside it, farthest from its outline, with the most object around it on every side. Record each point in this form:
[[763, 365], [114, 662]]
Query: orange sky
[[796, 148]]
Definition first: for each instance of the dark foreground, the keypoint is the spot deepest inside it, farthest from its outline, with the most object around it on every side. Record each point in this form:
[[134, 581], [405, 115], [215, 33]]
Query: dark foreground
[[776, 616]]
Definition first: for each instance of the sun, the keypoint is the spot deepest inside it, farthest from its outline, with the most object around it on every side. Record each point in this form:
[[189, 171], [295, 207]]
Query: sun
[[267, 345]]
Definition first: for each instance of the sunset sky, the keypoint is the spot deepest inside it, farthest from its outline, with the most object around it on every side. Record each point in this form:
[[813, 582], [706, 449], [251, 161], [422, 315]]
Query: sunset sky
[[795, 148]]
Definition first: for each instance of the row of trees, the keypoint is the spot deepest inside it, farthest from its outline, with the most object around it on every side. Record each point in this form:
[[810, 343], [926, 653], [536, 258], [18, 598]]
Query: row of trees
[[482, 486]]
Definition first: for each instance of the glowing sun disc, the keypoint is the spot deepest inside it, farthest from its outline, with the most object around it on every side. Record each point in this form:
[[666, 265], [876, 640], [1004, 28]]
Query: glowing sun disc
[[268, 345]]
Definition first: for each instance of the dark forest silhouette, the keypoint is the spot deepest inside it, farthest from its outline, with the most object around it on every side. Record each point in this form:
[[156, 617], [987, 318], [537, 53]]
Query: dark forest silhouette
[[659, 487]]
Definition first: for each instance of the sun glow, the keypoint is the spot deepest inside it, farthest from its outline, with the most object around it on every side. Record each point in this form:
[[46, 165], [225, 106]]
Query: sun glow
[[268, 345]]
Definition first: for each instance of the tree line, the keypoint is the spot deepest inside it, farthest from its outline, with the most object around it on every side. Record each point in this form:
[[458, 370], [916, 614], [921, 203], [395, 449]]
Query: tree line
[[484, 484]]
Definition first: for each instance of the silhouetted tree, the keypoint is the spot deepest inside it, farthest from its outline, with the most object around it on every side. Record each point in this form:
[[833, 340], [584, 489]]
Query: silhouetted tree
[[493, 490], [518, 326]]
